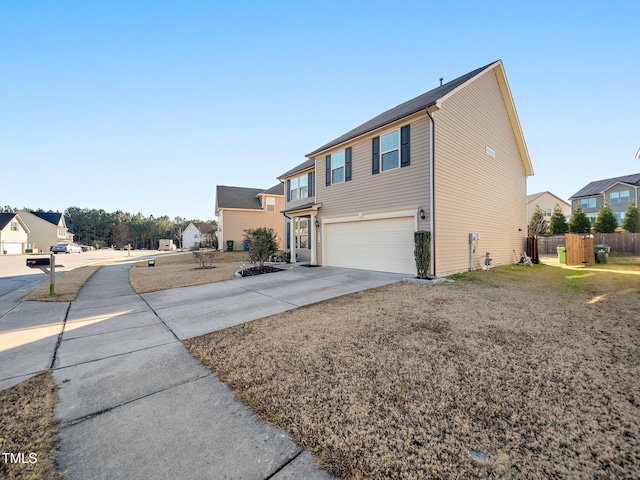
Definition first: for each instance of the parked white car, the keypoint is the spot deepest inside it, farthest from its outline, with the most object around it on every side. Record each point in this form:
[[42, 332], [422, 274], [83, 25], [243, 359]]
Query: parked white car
[[66, 248]]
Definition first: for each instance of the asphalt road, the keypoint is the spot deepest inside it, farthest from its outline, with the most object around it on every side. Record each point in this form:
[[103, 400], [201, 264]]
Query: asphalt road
[[15, 275]]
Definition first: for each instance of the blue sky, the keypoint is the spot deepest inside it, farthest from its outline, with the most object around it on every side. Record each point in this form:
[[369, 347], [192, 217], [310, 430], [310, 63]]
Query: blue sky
[[147, 106]]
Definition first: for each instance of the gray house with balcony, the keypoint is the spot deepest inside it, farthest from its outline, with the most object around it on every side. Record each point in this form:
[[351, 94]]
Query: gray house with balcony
[[617, 192]]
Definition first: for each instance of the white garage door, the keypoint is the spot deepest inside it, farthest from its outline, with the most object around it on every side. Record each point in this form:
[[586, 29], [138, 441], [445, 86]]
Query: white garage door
[[380, 245], [12, 248]]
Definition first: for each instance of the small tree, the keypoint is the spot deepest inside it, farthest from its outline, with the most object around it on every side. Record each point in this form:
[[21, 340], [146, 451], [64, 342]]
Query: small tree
[[579, 222], [631, 221], [537, 224], [262, 243], [422, 252], [558, 223], [606, 221]]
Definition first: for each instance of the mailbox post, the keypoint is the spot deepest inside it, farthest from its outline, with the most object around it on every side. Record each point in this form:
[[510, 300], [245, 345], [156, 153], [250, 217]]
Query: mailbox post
[[42, 263]]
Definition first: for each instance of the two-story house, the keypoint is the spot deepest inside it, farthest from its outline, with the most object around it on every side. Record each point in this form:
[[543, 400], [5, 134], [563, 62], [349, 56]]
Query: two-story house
[[46, 229], [14, 234], [547, 201], [617, 192], [443, 162], [198, 235], [240, 208]]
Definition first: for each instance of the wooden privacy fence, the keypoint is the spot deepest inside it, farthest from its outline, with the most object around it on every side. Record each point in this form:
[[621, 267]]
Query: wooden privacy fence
[[580, 249], [619, 242]]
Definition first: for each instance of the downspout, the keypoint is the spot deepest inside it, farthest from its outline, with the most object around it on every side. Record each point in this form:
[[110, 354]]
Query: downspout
[[432, 194]]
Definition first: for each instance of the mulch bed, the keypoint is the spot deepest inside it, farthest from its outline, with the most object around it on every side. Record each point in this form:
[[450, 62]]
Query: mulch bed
[[251, 271]]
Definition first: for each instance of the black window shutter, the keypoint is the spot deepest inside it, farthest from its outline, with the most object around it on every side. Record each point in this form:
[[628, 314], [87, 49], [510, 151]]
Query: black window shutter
[[328, 169], [310, 185], [405, 159], [288, 235], [288, 190], [375, 155], [309, 234], [347, 164]]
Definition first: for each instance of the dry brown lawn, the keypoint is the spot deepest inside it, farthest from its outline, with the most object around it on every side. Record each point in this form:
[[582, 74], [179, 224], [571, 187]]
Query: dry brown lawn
[[173, 271], [67, 286], [27, 427], [533, 370]]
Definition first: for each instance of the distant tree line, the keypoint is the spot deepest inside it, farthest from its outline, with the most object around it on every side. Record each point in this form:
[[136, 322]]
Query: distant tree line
[[100, 228]]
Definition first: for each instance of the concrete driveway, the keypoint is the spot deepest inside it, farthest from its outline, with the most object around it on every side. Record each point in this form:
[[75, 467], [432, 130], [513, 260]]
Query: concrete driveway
[[193, 311], [133, 402]]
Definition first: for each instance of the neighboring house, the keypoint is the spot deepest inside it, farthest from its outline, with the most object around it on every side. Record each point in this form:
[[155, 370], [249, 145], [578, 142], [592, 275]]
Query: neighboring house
[[547, 202], [617, 192], [198, 235], [445, 162], [14, 234], [46, 229], [239, 209]]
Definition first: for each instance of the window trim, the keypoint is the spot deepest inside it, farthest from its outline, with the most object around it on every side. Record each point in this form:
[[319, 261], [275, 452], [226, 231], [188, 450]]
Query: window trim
[[615, 199], [383, 152], [334, 169], [270, 202]]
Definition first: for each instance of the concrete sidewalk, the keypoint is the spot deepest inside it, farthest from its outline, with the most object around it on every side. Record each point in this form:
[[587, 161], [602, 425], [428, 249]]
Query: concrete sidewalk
[[134, 403]]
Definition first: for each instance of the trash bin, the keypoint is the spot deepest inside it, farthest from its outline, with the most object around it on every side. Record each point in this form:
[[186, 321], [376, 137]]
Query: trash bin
[[229, 245], [602, 253], [562, 254], [602, 256]]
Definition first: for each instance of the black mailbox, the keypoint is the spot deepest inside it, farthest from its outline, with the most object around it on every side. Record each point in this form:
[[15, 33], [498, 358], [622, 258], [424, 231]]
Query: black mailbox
[[38, 262]]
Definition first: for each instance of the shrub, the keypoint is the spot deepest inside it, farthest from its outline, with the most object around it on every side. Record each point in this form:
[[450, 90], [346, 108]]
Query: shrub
[[262, 242], [205, 257], [422, 252], [537, 224], [579, 222], [558, 223], [606, 221], [631, 221]]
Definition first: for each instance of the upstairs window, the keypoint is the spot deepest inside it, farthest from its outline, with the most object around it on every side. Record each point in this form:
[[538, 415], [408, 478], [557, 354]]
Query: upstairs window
[[588, 203], [298, 188], [624, 196], [389, 150], [271, 204], [14, 226], [337, 167], [614, 197]]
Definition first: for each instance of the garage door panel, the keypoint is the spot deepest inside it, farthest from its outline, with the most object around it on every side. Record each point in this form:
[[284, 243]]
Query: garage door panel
[[384, 245]]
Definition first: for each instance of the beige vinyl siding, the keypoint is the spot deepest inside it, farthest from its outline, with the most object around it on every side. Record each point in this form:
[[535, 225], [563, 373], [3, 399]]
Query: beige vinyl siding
[[475, 192], [235, 222], [396, 189], [546, 201]]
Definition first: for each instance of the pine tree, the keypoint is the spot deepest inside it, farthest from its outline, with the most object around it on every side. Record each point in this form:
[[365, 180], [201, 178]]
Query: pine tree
[[631, 221], [558, 223], [538, 224], [606, 221], [579, 222]]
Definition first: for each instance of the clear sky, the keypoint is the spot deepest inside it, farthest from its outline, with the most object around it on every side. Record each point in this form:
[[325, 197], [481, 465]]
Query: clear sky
[[146, 106]]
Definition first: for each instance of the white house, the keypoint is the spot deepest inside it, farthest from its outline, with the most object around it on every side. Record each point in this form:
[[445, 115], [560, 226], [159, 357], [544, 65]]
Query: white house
[[14, 234], [198, 235]]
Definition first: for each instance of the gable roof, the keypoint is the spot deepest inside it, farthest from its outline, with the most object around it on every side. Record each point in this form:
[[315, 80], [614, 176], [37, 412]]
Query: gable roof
[[599, 186], [275, 190], [238, 197], [303, 166], [49, 217], [5, 218], [434, 98], [205, 228], [533, 196]]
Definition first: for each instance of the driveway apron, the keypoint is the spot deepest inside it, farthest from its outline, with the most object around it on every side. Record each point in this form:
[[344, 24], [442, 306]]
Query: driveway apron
[[135, 404]]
